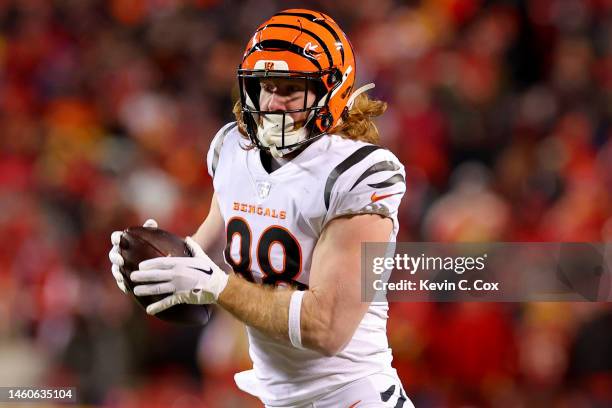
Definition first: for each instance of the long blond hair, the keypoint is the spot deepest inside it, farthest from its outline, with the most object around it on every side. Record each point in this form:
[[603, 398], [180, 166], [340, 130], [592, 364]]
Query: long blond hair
[[357, 124]]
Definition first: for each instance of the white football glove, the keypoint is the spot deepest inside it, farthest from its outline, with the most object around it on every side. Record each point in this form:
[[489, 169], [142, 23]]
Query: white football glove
[[115, 256], [193, 280]]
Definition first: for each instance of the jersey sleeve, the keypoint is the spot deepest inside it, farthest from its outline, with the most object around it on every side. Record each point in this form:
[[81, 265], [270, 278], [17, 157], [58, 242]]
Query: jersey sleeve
[[214, 152], [373, 185]]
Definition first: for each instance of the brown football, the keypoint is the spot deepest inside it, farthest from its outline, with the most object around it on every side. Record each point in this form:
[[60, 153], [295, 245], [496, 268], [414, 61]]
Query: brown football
[[141, 243]]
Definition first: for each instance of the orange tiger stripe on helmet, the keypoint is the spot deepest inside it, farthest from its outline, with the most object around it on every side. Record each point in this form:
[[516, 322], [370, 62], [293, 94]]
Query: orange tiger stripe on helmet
[[307, 53], [309, 31], [313, 24]]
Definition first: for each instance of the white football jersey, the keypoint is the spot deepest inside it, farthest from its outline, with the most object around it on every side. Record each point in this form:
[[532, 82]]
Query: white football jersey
[[273, 222]]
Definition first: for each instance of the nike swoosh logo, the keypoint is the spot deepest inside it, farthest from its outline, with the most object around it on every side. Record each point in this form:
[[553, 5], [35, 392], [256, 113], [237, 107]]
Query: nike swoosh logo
[[206, 271], [376, 198], [353, 405]]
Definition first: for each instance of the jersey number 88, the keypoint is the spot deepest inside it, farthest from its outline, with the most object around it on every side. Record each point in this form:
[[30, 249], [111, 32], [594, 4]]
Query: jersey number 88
[[292, 253]]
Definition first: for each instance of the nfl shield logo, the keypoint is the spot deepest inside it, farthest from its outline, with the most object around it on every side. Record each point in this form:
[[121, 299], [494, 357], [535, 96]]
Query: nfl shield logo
[[263, 189]]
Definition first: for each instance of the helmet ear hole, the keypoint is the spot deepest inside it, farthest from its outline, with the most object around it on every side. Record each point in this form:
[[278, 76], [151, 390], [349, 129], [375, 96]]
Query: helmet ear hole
[[326, 120], [334, 77], [345, 113]]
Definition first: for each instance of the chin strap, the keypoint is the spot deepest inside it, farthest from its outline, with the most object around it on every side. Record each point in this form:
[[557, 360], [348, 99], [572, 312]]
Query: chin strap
[[356, 93]]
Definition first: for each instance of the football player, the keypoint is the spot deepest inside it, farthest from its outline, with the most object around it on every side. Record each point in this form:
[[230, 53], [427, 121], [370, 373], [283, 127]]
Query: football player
[[299, 185]]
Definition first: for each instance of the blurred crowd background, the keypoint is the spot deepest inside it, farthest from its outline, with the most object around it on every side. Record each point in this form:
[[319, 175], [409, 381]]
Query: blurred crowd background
[[500, 110]]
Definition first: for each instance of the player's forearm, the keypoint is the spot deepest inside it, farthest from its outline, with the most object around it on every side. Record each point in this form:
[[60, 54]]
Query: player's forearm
[[322, 329], [261, 307], [267, 310]]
